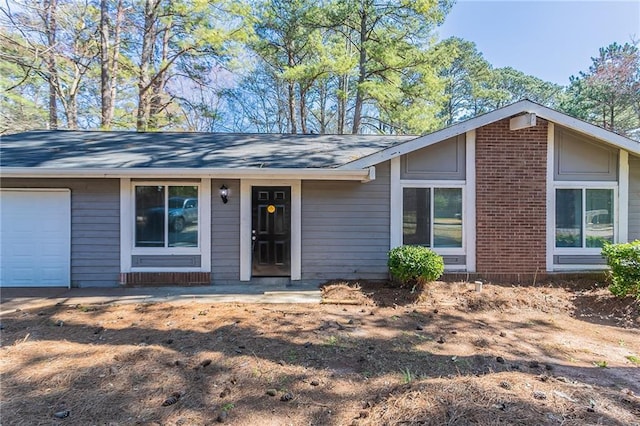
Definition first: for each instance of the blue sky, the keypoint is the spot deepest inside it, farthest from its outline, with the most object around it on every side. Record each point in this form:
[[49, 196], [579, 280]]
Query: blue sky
[[551, 40]]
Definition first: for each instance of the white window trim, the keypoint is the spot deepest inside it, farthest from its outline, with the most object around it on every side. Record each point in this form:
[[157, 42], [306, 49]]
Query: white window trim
[[127, 228], [551, 197], [468, 186], [395, 203], [246, 218], [583, 250], [623, 197], [443, 251], [469, 203], [620, 221]]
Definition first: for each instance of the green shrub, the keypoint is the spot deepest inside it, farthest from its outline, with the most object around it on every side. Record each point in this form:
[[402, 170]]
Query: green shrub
[[414, 264], [624, 261]]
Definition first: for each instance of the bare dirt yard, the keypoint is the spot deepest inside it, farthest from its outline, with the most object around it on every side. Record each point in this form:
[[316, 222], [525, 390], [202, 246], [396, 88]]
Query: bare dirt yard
[[445, 355]]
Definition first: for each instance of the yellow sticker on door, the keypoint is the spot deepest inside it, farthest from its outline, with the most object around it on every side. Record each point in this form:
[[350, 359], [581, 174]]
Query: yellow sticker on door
[[271, 208]]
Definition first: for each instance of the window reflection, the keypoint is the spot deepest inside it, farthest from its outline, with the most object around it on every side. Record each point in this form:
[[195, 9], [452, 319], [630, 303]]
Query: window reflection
[[183, 216], [447, 217], [599, 217], [584, 217], [444, 224], [416, 211], [162, 222], [150, 216], [569, 218]]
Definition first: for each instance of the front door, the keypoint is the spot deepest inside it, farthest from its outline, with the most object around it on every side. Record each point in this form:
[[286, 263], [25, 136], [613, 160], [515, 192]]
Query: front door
[[271, 231]]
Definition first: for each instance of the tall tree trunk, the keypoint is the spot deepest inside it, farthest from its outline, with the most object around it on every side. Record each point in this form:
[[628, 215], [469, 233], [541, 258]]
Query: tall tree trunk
[[303, 110], [159, 83], [51, 28], [291, 97], [146, 57], [105, 69], [612, 117], [342, 103], [323, 107], [362, 70], [72, 111], [114, 60], [343, 89]]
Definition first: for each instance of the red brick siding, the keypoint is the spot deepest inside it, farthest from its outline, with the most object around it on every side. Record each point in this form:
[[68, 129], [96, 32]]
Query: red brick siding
[[511, 170]]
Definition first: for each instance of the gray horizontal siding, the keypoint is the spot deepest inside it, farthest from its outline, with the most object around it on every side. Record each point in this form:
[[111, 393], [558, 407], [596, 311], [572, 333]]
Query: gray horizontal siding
[[225, 232], [634, 198], [95, 227], [345, 228]]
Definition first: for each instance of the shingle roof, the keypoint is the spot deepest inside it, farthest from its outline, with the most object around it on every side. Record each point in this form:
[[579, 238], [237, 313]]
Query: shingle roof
[[121, 150]]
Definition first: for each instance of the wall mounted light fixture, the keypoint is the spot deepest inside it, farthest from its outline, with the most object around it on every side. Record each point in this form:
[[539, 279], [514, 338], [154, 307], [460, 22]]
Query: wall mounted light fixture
[[224, 194]]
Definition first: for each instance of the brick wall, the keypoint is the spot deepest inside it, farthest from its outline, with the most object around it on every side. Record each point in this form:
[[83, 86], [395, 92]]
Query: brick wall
[[511, 169]]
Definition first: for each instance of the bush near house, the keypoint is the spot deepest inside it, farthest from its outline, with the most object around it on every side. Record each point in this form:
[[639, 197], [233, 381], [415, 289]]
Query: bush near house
[[624, 261], [414, 264]]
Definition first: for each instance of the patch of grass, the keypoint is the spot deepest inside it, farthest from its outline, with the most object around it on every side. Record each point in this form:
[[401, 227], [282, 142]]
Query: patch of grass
[[634, 359], [292, 355], [601, 364], [228, 407], [407, 376], [331, 341]]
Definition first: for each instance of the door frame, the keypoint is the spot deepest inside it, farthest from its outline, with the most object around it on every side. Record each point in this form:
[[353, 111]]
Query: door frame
[[246, 221]]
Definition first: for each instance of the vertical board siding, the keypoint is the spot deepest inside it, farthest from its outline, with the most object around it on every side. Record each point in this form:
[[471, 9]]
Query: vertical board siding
[[345, 228], [634, 198], [225, 232], [95, 227]]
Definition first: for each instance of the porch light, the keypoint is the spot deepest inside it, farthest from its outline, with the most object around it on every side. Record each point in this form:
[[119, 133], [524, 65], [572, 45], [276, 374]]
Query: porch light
[[224, 194]]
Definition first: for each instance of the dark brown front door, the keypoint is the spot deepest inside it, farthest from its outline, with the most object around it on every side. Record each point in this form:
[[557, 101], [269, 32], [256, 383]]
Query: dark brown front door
[[271, 231]]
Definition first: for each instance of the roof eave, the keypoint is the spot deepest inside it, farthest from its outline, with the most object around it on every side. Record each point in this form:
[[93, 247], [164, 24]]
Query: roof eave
[[363, 174], [491, 117]]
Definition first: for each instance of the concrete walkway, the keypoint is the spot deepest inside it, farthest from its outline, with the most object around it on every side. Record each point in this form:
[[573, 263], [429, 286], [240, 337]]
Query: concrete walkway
[[28, 298]]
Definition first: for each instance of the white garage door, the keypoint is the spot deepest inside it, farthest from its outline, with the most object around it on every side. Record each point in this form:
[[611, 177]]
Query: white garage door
[[35, 238]]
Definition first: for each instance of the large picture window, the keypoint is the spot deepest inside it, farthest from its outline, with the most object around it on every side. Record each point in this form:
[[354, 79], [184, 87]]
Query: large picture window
[[584, 217], [432, 217], [166, 216]]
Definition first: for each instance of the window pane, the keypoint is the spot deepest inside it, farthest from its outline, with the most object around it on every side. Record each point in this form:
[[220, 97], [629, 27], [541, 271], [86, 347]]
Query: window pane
[[569, 218], [447, 217], [416, 223], [149, 216], [599, 217], [183, 216]]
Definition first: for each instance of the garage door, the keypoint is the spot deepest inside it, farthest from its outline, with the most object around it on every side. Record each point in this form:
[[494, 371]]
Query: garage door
[[35, 238]]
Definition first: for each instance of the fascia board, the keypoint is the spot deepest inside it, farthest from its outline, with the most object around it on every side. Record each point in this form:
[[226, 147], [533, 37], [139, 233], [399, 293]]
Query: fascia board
[[596, 132], [491, 117], [364, 175]]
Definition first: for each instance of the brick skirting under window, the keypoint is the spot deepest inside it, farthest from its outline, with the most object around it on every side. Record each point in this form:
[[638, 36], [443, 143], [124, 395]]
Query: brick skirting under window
[[157, 279]]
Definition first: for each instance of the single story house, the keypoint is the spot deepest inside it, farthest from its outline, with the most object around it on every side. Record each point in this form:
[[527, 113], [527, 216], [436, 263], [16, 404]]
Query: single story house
[[519, 192]]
